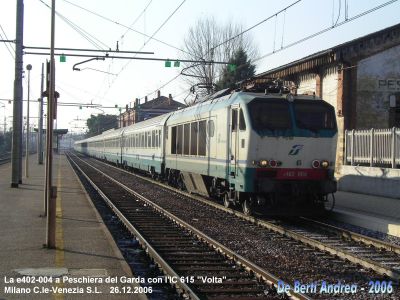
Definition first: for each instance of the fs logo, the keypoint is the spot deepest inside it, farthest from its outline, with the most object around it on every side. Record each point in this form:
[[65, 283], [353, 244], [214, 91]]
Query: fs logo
[[295, 149]]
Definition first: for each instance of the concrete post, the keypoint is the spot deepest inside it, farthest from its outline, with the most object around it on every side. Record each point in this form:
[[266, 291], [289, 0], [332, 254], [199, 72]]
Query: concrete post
[[27, 143], [51, 191], [40, 125], [16, 155]]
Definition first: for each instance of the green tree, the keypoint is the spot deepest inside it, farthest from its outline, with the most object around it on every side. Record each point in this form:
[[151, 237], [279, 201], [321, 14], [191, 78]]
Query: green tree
[[98, 124], [239, 68]]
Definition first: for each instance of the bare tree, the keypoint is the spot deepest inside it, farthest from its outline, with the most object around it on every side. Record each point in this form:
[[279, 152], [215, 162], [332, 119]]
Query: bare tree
[[209, 41]]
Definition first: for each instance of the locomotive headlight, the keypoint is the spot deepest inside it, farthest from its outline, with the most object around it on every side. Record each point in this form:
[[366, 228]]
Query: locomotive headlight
[[263, 163], [315, 164], [273, 163], [324, 164]]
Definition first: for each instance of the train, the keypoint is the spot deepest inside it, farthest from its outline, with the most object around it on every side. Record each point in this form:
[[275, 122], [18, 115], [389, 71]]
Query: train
[[265, 150]]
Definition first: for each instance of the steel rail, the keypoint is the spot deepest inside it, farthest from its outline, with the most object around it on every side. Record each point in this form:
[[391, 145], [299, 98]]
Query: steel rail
[[346, 255], [248, 265], [145, 244], [5, 158], [357, 237]]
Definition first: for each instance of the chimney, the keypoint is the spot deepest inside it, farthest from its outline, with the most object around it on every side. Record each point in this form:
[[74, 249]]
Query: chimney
[[158, 94], [145, 99], [169, 99]]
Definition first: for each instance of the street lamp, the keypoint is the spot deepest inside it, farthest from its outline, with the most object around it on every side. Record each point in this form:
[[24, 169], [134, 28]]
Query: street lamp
[[29, 68]]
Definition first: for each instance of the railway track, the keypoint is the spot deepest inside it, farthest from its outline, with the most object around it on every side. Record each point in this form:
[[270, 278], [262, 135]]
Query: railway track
[[5, 158], [262, 233], [370, 253], [202, 267], [380, 256]]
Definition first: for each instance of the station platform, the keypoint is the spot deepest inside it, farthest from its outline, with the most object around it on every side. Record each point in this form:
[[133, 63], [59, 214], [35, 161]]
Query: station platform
[[84, 247], [376, 213]]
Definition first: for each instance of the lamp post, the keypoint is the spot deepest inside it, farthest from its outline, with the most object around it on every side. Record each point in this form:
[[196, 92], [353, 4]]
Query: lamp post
[[29, 68]]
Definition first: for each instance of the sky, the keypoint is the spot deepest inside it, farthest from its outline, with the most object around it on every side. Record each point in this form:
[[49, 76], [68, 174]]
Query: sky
[[118, 82]]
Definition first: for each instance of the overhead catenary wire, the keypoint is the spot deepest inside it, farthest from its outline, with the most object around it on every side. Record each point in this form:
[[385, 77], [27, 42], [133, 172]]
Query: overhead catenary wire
[[318, 33], [257, 24], [328, 29], [234, 37], [90, 38], [11, 51], [150, 38], [136, 19], [125, 26], [339, 12]]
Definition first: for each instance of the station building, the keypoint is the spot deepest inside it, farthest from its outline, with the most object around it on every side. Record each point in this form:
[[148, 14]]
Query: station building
[[360, 78], [149, 109]]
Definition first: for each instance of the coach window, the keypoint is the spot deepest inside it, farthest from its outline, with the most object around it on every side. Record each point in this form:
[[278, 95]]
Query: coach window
[[242, 123], [202, 138], [234, 119], [211, 128], [186, 139], [173, 140], [179, 144], [193, 138]]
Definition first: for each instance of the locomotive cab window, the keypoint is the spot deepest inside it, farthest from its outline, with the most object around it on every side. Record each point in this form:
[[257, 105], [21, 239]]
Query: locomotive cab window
[[269, 114], [314, 115]]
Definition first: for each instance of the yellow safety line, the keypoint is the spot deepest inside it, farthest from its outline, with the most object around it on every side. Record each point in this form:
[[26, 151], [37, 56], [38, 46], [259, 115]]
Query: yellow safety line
[[60, 262]]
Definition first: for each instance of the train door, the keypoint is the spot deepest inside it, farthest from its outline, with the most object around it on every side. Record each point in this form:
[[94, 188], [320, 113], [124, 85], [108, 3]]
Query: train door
[[233, 142]]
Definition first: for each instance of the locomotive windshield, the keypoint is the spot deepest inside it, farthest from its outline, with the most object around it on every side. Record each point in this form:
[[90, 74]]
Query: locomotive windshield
[[271, 114], [314, 115]]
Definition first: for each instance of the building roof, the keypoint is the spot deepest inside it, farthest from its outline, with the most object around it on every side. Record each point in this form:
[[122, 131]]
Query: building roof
[[162, 102], [356, 49]]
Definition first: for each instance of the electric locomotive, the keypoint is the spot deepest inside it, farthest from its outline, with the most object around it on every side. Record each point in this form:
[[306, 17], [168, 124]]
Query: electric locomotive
[[270, 151]]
